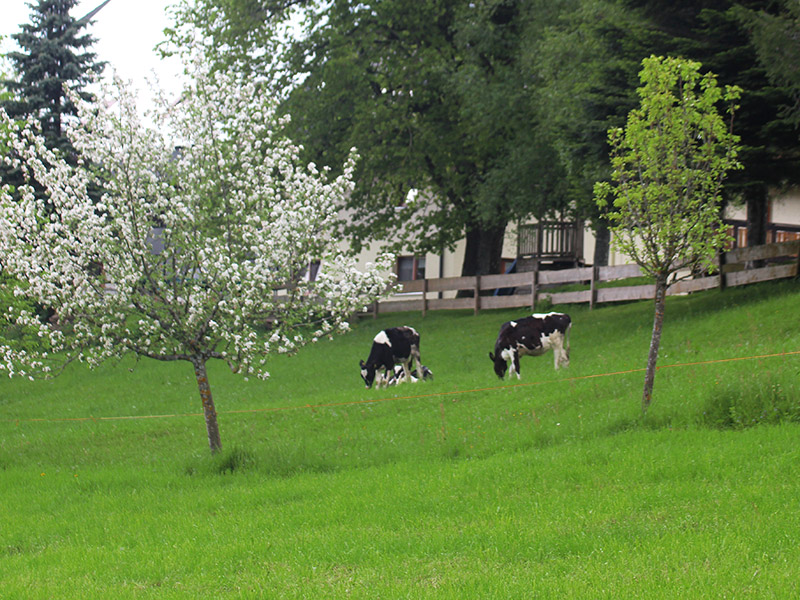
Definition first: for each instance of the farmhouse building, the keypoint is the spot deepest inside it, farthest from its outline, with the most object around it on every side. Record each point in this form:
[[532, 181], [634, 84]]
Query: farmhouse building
[[564, 244]]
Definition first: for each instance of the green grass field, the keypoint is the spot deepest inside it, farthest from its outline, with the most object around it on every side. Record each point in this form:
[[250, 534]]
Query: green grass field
[[463, 487]]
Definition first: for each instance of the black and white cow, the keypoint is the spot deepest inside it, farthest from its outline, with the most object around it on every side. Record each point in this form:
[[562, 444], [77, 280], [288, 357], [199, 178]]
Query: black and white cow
[[398, 375], [531, 336], [397, 345]]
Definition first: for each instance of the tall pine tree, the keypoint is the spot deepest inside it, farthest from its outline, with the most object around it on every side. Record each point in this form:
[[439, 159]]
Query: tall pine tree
[[53, 52]]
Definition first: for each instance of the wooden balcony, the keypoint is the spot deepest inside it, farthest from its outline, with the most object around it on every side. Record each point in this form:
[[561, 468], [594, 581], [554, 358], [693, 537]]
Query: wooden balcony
[[557, 241]]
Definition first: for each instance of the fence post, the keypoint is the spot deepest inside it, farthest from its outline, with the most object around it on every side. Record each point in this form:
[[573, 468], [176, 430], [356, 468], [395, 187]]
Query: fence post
[[593, 287], [797, 263], [722, 282], [424, 296], [477, 293], [539, 240], [534, 284]]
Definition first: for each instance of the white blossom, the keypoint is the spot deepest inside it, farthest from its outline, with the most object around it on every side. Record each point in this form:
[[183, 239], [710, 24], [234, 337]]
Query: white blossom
[[237, 217]]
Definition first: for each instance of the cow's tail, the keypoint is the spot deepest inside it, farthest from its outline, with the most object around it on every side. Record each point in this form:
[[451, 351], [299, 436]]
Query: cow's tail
[[566, 340]]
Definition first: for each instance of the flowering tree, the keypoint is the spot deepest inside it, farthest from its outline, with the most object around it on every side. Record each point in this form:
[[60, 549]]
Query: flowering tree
[[669, 164], [194, 250]]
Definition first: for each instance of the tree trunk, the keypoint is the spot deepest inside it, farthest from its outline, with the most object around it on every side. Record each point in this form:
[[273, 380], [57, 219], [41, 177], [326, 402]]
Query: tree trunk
[[757, 202], [469, 266], [209, 411], [483, 253], [655, 341], [602, 243]]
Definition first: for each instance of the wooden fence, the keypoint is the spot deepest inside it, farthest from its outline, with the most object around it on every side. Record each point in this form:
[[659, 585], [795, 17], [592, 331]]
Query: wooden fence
[[739, 267]]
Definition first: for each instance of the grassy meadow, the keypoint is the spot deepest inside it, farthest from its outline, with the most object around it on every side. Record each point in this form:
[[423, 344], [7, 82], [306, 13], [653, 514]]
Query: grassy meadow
[[461, 487]]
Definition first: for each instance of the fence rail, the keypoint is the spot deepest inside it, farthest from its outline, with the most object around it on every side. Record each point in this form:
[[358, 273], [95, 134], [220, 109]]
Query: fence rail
[[739, 267]]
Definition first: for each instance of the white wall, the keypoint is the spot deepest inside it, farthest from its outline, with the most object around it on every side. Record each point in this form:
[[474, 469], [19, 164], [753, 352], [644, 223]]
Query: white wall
[[449, 266], [785, 209], [589, 242]]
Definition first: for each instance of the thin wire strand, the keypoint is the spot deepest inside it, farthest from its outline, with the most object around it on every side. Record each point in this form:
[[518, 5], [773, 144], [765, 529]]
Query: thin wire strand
[[394, 398]]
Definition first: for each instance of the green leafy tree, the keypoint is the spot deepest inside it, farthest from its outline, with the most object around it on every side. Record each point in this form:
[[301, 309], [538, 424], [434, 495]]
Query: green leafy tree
[[9, 300], [669, 163], [432, 95], [53, 53], [586, 64]]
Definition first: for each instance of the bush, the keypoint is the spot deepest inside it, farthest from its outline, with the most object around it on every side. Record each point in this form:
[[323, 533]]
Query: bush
[[746, 402]]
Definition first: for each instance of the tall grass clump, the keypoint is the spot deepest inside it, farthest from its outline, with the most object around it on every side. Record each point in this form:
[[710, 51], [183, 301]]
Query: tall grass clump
[[231, 460], [747, 401]]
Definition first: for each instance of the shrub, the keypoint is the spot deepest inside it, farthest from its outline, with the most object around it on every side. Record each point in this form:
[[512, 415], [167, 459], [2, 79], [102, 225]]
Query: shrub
[[749, 401]]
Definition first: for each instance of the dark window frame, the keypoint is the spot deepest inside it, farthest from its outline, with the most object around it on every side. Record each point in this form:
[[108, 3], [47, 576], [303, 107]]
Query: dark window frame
[[418, 267]]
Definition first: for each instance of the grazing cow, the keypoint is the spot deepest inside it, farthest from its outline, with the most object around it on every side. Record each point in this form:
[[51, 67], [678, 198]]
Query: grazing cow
[[399, 375], [390, 347], [531, 336]]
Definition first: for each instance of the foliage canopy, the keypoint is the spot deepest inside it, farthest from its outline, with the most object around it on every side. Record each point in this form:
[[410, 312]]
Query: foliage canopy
[[669, 163], [433, 94]]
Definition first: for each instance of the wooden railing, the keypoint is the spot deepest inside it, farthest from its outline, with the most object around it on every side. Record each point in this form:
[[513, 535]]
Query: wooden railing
[[551, 240], [776, 232], [782, 261]]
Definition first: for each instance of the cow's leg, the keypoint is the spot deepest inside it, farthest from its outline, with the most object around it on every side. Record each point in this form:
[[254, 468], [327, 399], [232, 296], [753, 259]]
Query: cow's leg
[[563, 357], [415, 357], [560, 356], [566, 345], [563, 347], [514, 364], [387, 375], [406, 369], [382, 378]]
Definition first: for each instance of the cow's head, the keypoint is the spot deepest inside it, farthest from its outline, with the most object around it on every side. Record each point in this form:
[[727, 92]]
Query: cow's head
[[367, 373], [500, 364]]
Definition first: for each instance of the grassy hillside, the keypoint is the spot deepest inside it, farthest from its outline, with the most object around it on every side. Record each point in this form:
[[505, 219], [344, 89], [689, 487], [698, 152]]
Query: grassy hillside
[[463, 487]]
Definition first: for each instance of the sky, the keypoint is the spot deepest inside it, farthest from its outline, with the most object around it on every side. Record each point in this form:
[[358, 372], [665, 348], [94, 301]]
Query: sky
[[126, 32]]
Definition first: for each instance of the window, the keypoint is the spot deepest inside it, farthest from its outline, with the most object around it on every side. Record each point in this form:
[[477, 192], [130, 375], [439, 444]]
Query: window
[[410, 268], [313, 269]]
